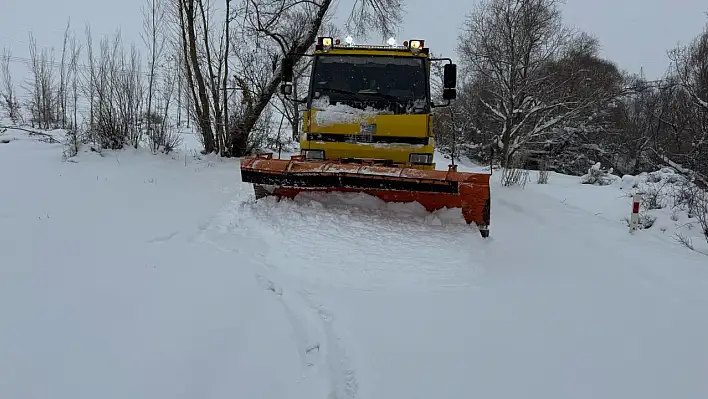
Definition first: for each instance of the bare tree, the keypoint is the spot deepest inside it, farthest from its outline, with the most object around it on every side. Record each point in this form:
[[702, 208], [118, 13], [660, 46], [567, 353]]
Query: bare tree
[[278, 29], [154, 13], [62, 97], [688, 116], [225, 79], [515, 50], [75, 82], [691, 68], [8, 96], [290, 28], [73, 137], [196, 81], [115, 89], [41, 87], [274, 29], [163, 135], [383, 14], [635, 122], [88, 81]]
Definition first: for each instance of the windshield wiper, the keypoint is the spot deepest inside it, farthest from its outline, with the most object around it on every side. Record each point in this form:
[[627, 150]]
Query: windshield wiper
[[382, 95], [350, 93]]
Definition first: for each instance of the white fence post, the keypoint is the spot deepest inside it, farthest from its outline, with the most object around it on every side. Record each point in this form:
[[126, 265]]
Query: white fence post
[[634, 218]]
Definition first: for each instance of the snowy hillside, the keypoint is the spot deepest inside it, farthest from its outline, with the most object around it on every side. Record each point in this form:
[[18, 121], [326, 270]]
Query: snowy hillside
[[131, 275]]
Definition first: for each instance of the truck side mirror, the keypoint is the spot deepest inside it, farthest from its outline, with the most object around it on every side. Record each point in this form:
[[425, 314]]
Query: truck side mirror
[[286, 76], [287, 70], [450, 76], [449, 94]]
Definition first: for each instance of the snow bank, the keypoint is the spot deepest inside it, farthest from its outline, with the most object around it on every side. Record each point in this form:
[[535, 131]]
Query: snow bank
[[109, 289], [672, 205], [132, 275]]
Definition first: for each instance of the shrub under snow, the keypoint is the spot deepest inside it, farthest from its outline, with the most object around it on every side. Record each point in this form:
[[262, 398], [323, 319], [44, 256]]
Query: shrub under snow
[[673, 204], [598, 176]]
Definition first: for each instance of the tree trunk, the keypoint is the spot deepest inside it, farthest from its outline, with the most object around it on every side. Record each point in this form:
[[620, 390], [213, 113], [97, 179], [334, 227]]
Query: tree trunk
[[296, 111], [219, 132], [226, 75], [186, 9]]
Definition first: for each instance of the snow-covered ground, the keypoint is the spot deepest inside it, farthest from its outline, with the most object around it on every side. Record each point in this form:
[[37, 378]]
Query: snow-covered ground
[[143, 276]]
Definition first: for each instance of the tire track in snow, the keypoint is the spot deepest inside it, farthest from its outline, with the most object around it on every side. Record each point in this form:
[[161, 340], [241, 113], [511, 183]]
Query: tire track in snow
[[320, 349], [343, 377], [309, 342], [328, 352]]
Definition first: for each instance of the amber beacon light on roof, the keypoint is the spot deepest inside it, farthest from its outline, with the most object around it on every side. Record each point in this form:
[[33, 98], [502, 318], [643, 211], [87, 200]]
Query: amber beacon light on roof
[[367, 127]]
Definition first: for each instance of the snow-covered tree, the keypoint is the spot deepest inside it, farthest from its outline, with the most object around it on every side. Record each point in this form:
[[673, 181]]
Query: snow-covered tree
[[686, 119], [533, 71]]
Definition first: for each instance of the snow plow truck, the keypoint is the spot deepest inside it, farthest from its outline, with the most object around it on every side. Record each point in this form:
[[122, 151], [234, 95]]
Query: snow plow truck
[[367, 127]]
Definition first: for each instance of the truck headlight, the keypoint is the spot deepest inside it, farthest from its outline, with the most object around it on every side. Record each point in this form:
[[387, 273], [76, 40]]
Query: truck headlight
[[324, 43], [313, 155], [420, 158]]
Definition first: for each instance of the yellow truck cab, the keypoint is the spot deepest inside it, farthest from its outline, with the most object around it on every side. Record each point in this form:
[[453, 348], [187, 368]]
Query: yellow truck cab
[[371, 103]]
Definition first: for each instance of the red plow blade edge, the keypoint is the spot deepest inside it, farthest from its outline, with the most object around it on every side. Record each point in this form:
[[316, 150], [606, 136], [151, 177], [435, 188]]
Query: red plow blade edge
[[433, 189]]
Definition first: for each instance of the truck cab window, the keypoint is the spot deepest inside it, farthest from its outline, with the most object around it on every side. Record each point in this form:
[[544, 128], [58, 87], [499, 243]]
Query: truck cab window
[[395, 84]]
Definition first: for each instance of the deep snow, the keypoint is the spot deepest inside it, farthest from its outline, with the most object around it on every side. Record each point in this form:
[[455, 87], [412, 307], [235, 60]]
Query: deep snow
[[142, 276]]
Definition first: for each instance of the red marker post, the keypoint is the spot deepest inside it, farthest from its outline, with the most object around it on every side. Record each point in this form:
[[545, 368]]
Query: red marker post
[[634, 218]]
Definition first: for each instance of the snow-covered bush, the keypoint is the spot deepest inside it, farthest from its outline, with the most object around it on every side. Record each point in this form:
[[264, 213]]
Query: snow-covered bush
[[703, 219], [646, 220], [655, 196], [690, 198], [671, 202], [629, 182], [695, 202], [598, 176]]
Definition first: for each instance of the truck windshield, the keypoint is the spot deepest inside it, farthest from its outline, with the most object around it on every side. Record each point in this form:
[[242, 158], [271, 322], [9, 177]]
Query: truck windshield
[[388, 83]]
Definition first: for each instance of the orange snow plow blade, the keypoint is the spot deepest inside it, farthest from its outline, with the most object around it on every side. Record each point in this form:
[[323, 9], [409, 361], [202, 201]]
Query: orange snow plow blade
[[433, 189]]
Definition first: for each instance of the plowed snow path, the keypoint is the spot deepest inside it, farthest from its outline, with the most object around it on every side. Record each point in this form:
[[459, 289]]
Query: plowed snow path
[[131, 275], [559, 303], [107, 292]]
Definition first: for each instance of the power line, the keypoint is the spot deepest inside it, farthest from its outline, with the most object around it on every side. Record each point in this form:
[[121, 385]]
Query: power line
[[55, 64]]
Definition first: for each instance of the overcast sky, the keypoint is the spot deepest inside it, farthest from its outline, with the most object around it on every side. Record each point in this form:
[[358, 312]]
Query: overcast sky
[[633, 33]]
